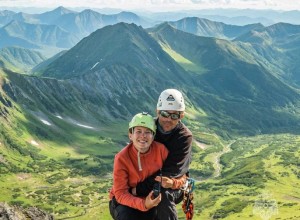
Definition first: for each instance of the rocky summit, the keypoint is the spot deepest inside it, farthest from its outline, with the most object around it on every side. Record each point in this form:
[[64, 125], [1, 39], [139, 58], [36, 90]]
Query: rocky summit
[[16, 213]]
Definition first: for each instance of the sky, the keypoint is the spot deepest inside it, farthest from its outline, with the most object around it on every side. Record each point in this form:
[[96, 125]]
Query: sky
[[157, 5]]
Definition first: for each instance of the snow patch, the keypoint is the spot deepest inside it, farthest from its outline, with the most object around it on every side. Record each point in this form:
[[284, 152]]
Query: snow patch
[[118, 103], [84, 126], [74, 122], [33, 142], [42, 117], [45, 122], [94, 65]]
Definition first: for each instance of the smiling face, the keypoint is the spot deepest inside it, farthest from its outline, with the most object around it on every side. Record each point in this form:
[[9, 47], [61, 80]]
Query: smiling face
[[141, 138], [166, 122]]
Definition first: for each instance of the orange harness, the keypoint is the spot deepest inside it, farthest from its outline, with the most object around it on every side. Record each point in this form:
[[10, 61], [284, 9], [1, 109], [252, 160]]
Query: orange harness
[[187, 205]]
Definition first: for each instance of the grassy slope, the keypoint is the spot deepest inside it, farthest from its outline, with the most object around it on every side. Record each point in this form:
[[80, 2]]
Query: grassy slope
[[68, 187], [233, 195], [67, 173], [64, 166], [184, 62]]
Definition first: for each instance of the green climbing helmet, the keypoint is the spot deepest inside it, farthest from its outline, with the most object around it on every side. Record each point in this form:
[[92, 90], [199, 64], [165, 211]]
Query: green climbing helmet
[[143, 120]]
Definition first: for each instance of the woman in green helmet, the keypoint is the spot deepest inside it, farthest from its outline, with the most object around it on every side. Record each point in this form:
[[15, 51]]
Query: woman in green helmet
[[141, 158]]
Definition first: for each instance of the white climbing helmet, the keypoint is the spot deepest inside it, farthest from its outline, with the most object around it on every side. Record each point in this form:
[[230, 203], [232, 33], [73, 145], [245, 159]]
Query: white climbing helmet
[[172, 100]]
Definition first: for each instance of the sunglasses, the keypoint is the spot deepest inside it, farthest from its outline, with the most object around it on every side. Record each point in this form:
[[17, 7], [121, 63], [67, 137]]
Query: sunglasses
[[174, 116]]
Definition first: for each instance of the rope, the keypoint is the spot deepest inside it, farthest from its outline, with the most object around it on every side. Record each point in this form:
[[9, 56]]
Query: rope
[[187, 205]]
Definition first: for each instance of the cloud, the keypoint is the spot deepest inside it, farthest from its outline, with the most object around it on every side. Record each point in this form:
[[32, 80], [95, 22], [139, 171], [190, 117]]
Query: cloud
[[157, 4]]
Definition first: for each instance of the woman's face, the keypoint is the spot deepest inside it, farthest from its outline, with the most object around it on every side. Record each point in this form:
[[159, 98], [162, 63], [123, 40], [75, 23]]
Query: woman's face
[[142, 138]]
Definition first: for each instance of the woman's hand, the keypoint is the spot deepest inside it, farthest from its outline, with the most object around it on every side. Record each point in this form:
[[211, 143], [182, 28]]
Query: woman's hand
[[151, 202]]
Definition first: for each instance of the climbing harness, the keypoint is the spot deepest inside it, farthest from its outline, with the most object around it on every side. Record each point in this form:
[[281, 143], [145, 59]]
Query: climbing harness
[[187, 205]]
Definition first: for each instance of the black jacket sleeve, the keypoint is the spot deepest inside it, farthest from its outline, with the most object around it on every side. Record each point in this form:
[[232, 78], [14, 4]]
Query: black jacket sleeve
[[145, 187]]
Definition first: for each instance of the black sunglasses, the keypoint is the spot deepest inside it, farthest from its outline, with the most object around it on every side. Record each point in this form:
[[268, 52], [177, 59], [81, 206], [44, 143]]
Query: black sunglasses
[[174, 116]]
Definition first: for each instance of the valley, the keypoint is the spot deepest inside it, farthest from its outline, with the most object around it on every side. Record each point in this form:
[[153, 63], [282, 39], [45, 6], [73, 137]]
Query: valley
[[67, 187], [240, 186]]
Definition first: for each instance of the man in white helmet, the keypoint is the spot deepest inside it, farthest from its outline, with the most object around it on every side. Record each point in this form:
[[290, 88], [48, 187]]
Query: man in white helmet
[[178, 139]]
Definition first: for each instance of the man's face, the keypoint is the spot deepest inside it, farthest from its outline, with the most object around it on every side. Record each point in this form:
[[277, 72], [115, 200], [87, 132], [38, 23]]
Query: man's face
[[167, 121]]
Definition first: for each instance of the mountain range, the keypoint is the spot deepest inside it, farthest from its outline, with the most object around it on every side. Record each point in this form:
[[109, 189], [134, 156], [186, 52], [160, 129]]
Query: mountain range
[[232, 79], [58, 29], [231, 15]]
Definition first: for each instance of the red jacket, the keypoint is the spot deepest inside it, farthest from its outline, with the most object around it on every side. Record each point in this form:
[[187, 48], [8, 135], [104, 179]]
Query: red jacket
[[126, 172]]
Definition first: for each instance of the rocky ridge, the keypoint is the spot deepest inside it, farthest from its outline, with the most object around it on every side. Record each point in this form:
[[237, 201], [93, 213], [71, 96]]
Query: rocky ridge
[[8, 212]]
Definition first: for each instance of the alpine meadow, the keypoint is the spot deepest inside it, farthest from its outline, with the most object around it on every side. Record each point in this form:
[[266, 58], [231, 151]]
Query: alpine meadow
[[70, 81]]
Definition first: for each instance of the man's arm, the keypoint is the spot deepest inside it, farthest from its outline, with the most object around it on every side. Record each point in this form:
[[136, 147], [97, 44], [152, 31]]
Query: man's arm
[[179, 158], [145, 187], [173, 183]]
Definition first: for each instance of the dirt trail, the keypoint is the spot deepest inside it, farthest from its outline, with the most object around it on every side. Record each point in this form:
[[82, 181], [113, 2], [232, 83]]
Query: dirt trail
[[201, 145], [216, 160]]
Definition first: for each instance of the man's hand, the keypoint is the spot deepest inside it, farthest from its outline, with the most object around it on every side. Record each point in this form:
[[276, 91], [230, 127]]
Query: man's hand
[[151, 202], [166, 182]]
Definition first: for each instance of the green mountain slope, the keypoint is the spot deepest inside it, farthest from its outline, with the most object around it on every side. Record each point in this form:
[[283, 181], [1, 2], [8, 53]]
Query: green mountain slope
[[123, 45], [233, 79], [38, 34], [278, 44], [20, 59], [40, 66], [45, 153], [218, 73]]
